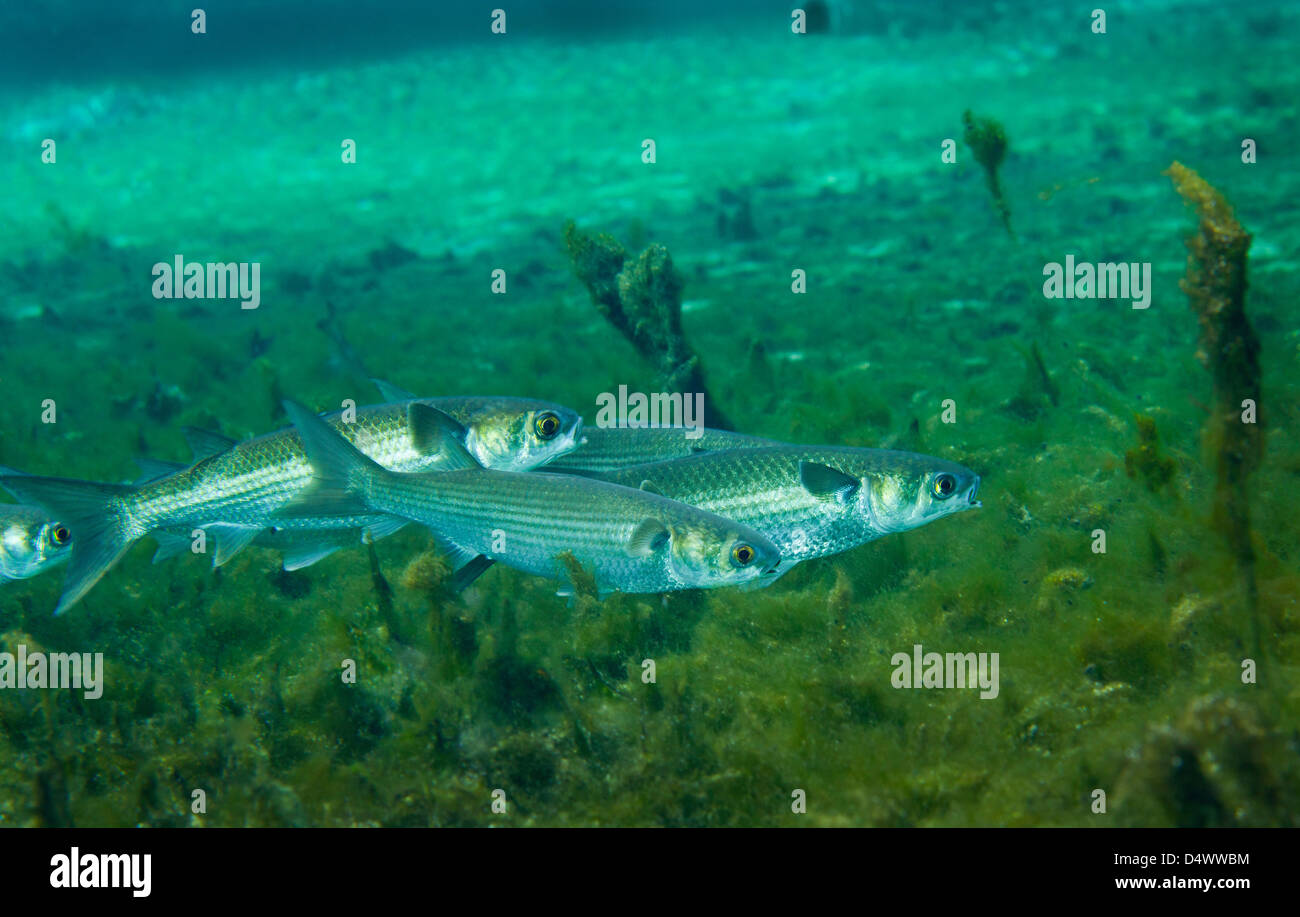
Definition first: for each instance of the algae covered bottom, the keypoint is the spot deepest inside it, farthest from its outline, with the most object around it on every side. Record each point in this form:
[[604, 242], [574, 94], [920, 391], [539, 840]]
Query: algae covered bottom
[[842, 275]]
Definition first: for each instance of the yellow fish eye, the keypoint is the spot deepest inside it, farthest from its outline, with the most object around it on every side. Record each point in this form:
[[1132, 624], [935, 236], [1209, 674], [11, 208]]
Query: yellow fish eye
[[742, 554], [547, 425], [60, 536], [944, 485]]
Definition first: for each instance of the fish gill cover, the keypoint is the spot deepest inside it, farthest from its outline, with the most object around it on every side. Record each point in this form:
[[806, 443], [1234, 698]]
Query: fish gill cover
[[674, 221]]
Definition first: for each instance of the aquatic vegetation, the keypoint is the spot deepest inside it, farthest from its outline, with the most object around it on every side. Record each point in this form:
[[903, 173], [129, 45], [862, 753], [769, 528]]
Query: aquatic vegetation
[[736, 216], [1145, 460], [1121, 670], [988, 141], [1218, 764], [1037, 391], [1216, 288], [644, 302]]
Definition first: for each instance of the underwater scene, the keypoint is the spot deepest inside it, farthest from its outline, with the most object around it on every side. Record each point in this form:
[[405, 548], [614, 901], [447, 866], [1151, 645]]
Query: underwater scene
[[864, 413]]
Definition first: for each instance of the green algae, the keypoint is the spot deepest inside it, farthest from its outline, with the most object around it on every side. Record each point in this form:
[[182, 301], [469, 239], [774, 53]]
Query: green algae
[[988, 142], [1121, 670], [643, 301], [1145, 461]]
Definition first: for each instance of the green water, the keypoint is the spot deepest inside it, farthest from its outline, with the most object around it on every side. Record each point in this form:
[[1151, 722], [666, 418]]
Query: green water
[[1119, 671]]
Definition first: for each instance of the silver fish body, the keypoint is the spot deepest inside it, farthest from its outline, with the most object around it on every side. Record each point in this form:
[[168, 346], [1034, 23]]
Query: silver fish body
[[610, 448], [31, 541], [627, 539], [813, 501], [247, 483], [235, 493]]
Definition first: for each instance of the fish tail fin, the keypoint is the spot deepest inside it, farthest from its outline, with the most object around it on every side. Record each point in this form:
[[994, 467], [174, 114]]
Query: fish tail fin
[[92, 514], [340, 471]]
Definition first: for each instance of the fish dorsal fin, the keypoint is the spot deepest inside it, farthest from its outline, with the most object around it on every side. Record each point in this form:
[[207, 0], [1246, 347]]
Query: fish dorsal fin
[[435, 433], [649, 487], [338, 469], [647, 538], [206, 443], [390, 392], [155, 469], [827, 483]]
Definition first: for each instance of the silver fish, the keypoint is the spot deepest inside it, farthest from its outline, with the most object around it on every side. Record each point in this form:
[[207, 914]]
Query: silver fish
[[234, 493], [31, 542], [609, 448], [813, 501], [629, 540]]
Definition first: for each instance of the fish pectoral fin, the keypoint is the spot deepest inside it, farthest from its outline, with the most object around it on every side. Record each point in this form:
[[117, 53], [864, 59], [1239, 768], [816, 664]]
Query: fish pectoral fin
[[827, 483], [391, 393], [647, 538], [206, 443], [231, 539], [434, 433]]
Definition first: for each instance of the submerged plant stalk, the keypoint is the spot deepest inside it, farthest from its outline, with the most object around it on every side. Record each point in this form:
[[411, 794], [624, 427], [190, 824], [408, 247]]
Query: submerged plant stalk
[[1229, 348], [988, 141], [644, 302]]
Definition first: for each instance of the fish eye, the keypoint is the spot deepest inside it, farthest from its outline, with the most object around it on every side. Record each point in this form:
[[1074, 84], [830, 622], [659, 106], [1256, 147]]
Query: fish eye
[[60, 536], [547, 425], [742, 554], [945, 485]]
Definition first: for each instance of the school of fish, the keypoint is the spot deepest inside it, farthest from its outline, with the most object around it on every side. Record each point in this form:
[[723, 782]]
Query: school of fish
[[495, 480]]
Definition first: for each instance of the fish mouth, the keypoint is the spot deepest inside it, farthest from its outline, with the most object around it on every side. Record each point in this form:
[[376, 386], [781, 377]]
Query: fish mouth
[[970, 495]]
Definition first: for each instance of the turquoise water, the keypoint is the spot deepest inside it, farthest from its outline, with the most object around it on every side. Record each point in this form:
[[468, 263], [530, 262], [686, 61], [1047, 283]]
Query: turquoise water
[[774, 153]]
